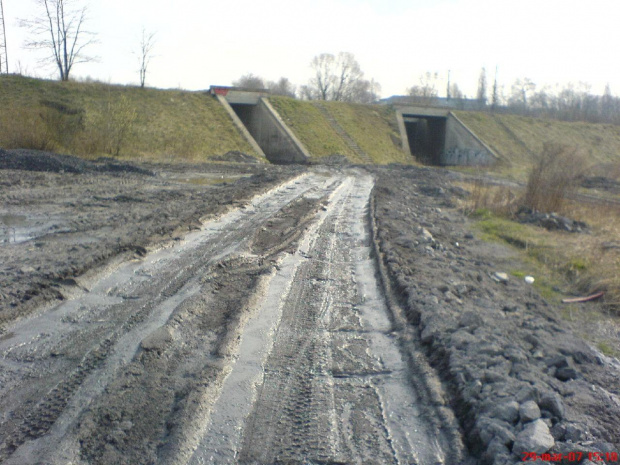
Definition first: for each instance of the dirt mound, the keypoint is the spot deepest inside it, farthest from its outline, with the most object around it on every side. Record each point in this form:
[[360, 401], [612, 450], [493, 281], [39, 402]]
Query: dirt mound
[[235, 156], [36, 160]]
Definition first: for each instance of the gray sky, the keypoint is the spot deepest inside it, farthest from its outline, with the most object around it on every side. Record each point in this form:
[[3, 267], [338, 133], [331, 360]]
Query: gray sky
[[204, 42]]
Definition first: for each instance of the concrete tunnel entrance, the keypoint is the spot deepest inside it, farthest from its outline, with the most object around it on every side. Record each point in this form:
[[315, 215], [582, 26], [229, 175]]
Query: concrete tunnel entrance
[[437, 136], [426, 136], [261, 124]]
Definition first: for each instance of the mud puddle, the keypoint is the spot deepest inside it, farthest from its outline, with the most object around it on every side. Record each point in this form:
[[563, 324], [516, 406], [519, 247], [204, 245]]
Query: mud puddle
[[56, 363], [17, 228]]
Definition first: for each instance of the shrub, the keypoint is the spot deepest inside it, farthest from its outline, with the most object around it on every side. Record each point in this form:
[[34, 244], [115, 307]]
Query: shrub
[[26, 128], [553, 177], [108, 129], [499, 200]]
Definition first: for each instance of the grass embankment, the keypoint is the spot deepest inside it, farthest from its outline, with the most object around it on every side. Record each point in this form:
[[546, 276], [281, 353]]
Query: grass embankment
[[94, 119], [517, 140], [372, 127], [310, 127]]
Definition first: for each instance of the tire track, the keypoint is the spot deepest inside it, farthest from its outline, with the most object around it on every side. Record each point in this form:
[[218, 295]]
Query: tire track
[[327, 382], [51, 382]]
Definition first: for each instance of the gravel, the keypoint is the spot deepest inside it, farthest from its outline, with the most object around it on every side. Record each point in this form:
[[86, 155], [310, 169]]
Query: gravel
[[517, 377]]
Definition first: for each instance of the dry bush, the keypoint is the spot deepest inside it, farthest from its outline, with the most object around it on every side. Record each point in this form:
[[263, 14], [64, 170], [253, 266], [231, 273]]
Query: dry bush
[[26, 128], [600, 250], [500, 200], [553, 177], [107, 130]]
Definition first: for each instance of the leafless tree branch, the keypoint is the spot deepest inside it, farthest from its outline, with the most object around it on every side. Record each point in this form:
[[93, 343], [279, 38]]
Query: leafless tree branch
[[339, 77], [145, 54], [59, 29]]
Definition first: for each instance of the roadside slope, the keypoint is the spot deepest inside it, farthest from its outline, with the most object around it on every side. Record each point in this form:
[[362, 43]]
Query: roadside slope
[[372, 128], [516, 138], [520, 381], [93, 118]]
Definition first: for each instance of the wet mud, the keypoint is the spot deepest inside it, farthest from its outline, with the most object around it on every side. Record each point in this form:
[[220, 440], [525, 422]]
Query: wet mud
[[255, 314]]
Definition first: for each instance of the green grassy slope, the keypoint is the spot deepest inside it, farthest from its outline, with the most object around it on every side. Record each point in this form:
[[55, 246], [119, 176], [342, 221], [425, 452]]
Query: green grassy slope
[[74, 118], [517, 138], [310, 127], [372, 127]]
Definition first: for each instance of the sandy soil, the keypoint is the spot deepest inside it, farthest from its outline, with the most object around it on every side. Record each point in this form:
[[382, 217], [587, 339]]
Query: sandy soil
[[260, 314]]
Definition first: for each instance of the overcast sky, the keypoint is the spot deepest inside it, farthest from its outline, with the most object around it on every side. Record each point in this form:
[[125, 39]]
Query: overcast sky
[[204, 42]]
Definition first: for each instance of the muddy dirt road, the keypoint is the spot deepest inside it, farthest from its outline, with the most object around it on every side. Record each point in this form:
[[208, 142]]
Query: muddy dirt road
[[222, 314], [262, 337]]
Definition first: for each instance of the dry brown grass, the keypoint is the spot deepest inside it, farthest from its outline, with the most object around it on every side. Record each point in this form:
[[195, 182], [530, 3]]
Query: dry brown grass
[[600, 249], [587, 263], [500, 200], [26, 128], [553, 177]]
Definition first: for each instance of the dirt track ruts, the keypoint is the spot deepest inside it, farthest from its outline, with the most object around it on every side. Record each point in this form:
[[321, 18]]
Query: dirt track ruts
[[131, 369], [338, 317]]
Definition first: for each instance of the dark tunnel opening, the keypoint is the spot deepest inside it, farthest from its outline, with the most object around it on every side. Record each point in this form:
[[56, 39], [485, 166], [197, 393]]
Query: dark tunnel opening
[[426, 136], [245, 112]]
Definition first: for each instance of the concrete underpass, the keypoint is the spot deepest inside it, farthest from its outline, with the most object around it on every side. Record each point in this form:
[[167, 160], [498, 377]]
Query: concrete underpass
[[436, 136], [261, 125]]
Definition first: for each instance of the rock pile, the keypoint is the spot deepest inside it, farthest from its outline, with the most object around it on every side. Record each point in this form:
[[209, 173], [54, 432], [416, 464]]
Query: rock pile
[[516, 377]]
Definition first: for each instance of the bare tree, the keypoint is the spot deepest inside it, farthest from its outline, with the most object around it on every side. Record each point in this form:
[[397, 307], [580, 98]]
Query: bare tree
[[495, 93], [323, 81], [4, 59], [364, 91], [456, 92], [520, 93], [607, 104], [282, 87], [145, 54], [426, 91], [250, 81], [60, 30], [340, 78], [481, 96]]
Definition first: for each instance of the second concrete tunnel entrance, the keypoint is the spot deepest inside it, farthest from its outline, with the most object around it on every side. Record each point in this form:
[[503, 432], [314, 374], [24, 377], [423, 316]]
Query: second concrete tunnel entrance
[[437, 136], [426, 136]]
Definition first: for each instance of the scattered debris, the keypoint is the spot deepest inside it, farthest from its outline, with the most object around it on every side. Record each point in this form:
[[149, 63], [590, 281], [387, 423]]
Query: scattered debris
[[551, 221], [598, 295], [234, 156], [37, 160], [499, 277]]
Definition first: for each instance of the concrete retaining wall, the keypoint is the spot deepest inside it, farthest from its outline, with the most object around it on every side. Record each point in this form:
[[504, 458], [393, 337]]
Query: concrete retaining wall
[[441, 138], [463, 147]]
